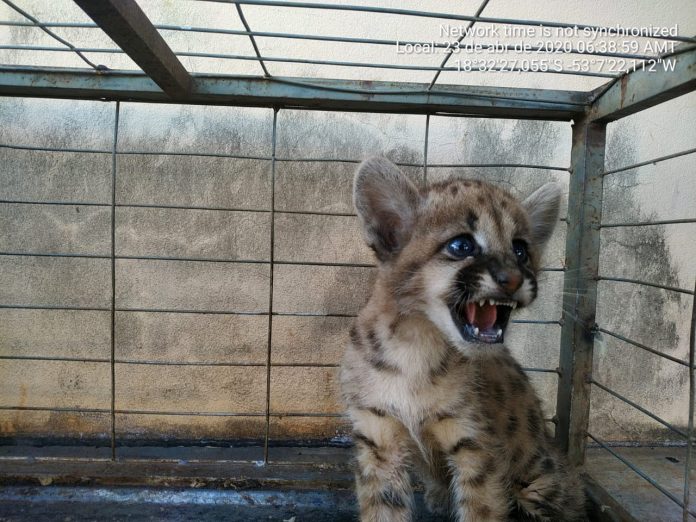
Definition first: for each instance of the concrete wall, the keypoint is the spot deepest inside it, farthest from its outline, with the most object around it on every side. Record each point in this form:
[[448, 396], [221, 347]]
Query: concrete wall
[[230, 351]]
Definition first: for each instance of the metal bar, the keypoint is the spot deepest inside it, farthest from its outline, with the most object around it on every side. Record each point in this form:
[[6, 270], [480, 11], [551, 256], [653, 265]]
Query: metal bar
[[54, 307], [639, 472], [644, 88], [278, 159], [146, 362], [602, 507], [172, 413], [499, 165], [450, 50], [191, 259], [425, 149], [53, 35], [649, 223], [267, 433], [56, 409], [63, 203], [39, 254], [645, 283], [253, 40], [52, 149], [640, 409], [127, 25], [642, 346], [56, 359], [334, 63], [345, 95], [112, 330], [189, 413], [219, 260], [344, 39], [448, 16], [652, 161], [580, 287], [205, 312], [690, 428]]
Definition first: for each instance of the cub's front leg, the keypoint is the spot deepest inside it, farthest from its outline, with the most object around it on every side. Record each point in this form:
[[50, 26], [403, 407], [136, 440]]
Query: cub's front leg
[[383, 485], [477, 472]]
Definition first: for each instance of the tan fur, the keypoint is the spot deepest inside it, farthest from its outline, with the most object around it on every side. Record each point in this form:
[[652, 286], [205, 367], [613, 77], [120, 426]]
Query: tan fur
[[420, 395]]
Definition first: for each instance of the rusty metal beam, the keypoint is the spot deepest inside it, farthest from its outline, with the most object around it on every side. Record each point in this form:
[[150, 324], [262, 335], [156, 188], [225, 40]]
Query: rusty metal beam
[[658, 82], [324, 94], [130, 28], [580, 287]]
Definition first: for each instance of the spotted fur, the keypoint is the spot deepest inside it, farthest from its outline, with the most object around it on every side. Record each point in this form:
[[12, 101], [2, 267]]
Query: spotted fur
[[421, 396]]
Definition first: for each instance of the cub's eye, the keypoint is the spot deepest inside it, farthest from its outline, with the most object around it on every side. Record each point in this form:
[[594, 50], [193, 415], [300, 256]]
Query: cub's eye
[[520, 249], [461, 246]]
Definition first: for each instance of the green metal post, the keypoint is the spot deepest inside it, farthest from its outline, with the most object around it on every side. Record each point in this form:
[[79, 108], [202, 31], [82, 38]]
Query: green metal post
[[580, 287]]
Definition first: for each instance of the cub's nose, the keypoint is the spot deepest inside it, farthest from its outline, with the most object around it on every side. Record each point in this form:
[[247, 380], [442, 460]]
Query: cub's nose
[[509, 280]]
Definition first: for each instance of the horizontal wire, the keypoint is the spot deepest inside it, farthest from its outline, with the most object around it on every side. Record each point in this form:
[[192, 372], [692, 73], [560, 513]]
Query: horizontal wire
[[498, 165], [649, 223], [53, 359], [445, 16], [642, 346], [212, 260], [193, 207], [640, 472], [640, 409], [645, 283], [201, 363], [64, 203], [55, 307], [176, 207], [281, 159], [191, 259], [172, 413], [345, 39], [216, 312], [53, 149], [650, 162]]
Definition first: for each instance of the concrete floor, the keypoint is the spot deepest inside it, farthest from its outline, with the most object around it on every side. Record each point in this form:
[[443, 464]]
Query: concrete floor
[[181, 491], [80, 504], [641, 499]]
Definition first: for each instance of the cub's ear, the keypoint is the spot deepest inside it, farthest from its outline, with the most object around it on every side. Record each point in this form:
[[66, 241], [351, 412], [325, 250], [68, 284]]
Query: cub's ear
[[542, 207], [386, 202]]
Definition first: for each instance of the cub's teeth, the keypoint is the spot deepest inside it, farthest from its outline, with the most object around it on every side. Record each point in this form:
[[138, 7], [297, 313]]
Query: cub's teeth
[[500, 332], [492, 302], [514, 305], [476, 331], [482, 302]]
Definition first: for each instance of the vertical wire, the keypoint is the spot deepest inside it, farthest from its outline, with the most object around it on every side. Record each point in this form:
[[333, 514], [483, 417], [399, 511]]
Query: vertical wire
[[37, 23], [451, 51], [690, 430], [425, 150], [270, 291], [253, 41], [113, 283]]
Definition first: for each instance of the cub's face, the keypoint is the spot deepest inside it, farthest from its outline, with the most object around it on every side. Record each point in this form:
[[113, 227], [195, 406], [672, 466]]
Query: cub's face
[[463, 252]]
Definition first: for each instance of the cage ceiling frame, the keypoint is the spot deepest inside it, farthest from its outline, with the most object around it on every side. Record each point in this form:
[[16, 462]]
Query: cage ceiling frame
[[165, 80]]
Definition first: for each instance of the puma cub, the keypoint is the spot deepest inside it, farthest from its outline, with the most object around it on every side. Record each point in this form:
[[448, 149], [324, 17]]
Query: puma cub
[[426, 378]]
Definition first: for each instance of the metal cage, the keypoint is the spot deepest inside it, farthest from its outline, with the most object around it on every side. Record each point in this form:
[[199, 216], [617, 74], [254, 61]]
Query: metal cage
[[165, 80]]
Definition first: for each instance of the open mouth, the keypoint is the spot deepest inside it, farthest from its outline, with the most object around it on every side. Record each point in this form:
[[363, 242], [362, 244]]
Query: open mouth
[[485, 320]]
